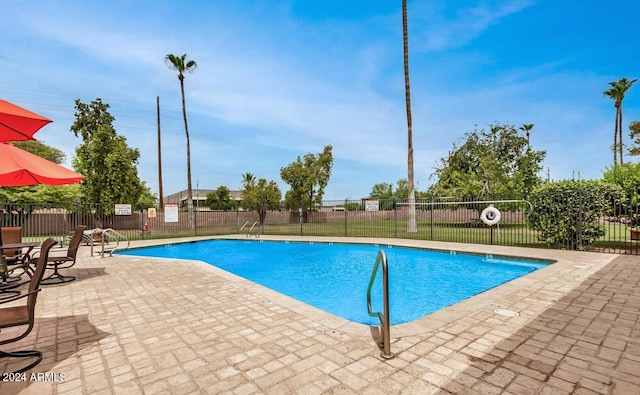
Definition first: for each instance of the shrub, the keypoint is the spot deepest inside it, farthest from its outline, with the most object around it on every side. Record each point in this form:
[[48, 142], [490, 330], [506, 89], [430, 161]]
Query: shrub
[[567, 213], [627, 176]]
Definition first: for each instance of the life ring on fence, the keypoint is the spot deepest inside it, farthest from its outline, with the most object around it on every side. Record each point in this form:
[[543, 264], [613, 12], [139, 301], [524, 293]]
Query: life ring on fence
[[490, 215]]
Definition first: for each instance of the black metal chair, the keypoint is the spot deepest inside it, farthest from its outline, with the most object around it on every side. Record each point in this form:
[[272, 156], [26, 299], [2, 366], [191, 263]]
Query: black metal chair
[[24, 315], [65, 261]]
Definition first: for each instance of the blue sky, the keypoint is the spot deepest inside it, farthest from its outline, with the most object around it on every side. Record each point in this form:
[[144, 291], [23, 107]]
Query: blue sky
[[278, 79]]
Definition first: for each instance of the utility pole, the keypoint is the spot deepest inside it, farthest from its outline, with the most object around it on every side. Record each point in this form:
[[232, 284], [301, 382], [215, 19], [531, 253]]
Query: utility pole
[[159, 158]]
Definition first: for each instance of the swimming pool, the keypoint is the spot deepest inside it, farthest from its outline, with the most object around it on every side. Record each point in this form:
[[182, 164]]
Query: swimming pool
[[334, 277]]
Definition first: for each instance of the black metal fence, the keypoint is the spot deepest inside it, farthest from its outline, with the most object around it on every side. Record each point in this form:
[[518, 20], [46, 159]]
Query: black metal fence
[[438, 219]]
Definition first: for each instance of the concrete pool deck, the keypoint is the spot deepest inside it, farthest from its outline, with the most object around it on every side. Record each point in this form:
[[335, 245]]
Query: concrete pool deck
[[132, 325]]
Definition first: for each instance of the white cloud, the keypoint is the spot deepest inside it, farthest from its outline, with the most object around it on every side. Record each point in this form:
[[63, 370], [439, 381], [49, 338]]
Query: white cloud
[[437, 29]]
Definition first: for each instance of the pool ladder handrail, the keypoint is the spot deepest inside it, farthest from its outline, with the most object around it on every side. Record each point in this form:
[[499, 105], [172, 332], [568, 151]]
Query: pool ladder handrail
[[385, 327], [243, 226], [248, 232], [104, 234]]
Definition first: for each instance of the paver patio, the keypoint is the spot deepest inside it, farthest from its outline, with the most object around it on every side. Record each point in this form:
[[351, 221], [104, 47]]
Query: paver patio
[[133, 325]]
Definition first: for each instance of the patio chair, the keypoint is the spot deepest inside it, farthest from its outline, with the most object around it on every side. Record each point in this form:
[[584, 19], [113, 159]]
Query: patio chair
[[24, 315], [10, 235], [10, 259], [58, 261], [7, 283]]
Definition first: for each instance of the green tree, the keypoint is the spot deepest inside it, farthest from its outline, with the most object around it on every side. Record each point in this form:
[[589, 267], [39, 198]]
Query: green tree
[[182, 65], [382, 191], [385, 190], [147, 197], [489, 163], [567, 213], [617, 92], [108, 164], [411, 221], [220, 199], [627, 177], [42, 150], [261, 196], [307, 178], [42, 195], [634, 134], [402, 189]]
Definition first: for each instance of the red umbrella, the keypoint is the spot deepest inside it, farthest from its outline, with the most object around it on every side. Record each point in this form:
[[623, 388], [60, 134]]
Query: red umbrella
[[20, 168], [19, 124]]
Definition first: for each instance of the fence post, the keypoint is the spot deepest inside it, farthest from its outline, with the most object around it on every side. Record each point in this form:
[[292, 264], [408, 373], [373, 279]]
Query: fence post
[[300, 212], [580, 218], [432, 201], [346, 218], [395, 214]]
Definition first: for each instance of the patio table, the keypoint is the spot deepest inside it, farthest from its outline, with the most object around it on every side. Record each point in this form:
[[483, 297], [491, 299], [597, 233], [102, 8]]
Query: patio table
[[23, 263]]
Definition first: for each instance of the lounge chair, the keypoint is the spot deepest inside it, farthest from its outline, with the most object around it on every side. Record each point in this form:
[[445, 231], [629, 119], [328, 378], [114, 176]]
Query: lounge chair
[[59, 261], [93, 237], [22, 315]]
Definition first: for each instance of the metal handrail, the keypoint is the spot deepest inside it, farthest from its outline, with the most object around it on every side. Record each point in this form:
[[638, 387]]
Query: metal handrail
[[94, 232], [384, 318], [104, 233], [117, 235], [242, 227], [251, 229]]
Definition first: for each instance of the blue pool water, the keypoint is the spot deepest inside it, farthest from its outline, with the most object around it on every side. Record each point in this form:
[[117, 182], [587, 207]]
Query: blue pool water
[[334, 277]]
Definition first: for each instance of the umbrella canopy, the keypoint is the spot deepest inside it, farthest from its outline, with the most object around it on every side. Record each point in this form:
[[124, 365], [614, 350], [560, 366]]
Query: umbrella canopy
[[20, 168], [19, 124]]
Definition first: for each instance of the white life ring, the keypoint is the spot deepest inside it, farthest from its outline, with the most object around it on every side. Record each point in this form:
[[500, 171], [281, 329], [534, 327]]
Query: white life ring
[[490, 215]]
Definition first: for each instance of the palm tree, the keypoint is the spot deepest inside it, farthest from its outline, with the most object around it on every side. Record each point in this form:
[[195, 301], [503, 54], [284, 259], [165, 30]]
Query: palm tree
[[180, 64], [526, 128], [616, 92], [411, 222], [248, 179]]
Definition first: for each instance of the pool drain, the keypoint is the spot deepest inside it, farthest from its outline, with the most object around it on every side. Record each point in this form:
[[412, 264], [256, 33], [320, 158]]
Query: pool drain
[[506, 313]]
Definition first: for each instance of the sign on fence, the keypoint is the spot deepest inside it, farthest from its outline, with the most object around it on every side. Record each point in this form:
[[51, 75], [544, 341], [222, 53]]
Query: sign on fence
[[171, 212], [371, 205], [123, 209]]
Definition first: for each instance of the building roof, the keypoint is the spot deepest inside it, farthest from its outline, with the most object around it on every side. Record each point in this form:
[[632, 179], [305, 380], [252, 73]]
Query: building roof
[[198, 194]]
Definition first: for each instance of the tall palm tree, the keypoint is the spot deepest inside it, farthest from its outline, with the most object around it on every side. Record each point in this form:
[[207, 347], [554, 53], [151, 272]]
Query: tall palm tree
[[182, 65], [248, 178], [614, 93], [617, 92], [526, 128], [411, 221]]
